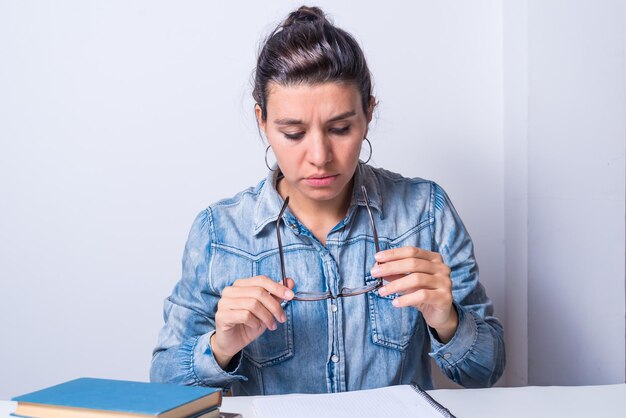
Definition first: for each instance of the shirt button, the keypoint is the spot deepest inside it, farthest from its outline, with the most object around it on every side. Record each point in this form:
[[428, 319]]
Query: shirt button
[[333, 307], [447, 356], [334, 359]]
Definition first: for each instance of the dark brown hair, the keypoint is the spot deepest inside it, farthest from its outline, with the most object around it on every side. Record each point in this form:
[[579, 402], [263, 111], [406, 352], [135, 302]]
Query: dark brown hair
[[307, 48]]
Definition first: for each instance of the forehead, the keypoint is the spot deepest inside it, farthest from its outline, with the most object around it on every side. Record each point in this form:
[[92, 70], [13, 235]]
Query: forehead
[[324, 99]]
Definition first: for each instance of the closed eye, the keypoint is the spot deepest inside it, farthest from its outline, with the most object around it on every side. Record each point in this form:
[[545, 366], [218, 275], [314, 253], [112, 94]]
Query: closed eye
[[341, 131], [299, 135], [295, 136]]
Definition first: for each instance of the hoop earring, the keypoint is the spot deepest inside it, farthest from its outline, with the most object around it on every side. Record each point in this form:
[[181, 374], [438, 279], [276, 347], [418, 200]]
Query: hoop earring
[[266, 163], [370, 156]]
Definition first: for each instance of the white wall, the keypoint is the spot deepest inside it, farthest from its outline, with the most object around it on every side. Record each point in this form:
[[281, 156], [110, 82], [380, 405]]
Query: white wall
[[564, 136], [119, 121], [576, 149], [515, 138]]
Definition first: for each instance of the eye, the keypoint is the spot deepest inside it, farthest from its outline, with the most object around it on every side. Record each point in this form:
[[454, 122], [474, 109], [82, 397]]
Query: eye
[[341, 131], [294, 136]]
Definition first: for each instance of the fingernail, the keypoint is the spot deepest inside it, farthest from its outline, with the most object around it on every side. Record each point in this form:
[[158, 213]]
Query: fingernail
[[289, 294], [395, 303], [273, 327], [283, 318], [375, 271], [378, 256], [382, 291]]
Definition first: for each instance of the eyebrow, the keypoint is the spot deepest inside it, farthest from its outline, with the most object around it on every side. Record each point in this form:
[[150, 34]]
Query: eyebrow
[[288, 121]]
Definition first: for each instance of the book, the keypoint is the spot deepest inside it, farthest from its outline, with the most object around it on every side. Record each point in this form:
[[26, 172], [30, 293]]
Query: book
[[393, 401], [210, 413], [216, 413], [213, 413], [102, 398]]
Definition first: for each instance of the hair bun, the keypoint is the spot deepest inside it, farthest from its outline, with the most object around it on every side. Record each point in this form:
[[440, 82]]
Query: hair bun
[[304, 14]]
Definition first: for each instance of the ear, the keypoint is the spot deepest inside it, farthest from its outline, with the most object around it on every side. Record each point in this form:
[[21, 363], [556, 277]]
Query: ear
[[258, 112]]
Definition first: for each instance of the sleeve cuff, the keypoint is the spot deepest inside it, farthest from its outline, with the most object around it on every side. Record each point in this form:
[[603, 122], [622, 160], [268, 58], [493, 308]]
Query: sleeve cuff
[[205, 368], [462, 341]]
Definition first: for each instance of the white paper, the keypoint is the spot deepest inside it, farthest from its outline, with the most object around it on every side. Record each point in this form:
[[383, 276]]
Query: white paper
[[393, 401]]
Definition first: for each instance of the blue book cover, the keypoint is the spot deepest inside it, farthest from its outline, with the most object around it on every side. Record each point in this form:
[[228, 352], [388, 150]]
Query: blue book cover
[[141, 398]]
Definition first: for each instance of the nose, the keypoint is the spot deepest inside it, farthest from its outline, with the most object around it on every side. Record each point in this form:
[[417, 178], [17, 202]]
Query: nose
[[320, 150]]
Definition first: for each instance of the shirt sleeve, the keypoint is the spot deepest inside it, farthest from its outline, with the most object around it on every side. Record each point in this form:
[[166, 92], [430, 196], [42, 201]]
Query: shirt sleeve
[[183, 354], [475, 356]]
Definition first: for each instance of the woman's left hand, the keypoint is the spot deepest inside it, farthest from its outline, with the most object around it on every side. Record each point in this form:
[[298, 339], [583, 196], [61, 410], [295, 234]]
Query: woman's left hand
[[423, 280]]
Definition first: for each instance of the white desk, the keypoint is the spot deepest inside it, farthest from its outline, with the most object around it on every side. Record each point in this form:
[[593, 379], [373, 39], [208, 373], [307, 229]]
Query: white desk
[[535, 402]]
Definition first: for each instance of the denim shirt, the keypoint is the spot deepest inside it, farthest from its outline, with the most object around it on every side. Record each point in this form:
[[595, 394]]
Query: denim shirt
[[346, 344]]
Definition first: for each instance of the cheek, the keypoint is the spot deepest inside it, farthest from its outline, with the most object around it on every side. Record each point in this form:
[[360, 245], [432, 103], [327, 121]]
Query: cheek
[[288, 157], [351, 151]]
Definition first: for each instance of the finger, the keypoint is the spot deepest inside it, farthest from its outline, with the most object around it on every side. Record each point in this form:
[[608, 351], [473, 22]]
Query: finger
[[437, 298], [239, 317], [405, 266], [394, 277], [270, 302], [275, 288], [406, 252], [253, 305], [411, 283], [290, 283]]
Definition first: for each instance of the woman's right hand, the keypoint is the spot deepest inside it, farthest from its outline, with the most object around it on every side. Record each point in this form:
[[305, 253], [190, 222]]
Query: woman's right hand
[[245, 310]]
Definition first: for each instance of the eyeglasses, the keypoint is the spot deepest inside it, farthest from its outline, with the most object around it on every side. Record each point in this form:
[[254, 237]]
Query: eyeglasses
[[346, 291]]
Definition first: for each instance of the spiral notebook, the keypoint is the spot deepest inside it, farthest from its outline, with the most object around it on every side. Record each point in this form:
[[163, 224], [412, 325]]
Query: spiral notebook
[[403, 401]]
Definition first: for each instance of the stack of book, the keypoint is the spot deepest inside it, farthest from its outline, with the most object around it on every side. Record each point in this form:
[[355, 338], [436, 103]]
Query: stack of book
[[104, 398]]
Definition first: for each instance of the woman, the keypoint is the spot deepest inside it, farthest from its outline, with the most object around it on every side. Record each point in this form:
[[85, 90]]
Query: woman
[[382, 267]]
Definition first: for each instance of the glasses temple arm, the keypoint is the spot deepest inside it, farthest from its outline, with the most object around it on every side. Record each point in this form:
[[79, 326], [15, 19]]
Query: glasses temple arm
[[280, 241], [369, 212]]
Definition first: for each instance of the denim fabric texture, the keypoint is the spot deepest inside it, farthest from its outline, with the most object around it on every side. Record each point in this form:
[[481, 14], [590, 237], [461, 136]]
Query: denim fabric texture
[[346, 344]]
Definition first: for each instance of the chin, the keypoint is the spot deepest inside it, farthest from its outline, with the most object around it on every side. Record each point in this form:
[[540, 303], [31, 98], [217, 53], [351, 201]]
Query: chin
[[323, 194]]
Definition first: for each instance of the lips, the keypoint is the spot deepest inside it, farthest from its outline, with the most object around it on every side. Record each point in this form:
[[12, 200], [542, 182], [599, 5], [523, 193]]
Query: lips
[[321, 180]]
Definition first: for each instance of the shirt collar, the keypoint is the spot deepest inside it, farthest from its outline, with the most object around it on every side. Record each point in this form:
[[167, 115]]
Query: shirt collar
[[270, 202], [365, 176]]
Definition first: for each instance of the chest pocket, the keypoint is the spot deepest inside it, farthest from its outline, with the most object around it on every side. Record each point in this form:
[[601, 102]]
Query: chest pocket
[[390, 326], [273, 346]]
